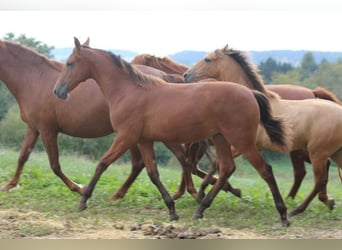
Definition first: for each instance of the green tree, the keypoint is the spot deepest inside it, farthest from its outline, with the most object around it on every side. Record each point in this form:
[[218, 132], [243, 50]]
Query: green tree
[[31, 43], [327, 75], [291, 77], [271, 66], [308, 65], [267, 68]]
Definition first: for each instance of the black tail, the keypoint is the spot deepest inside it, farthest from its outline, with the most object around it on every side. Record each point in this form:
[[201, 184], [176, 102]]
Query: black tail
[[275, 128]]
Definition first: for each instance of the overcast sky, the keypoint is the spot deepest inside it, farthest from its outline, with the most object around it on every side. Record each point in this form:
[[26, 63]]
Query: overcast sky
[[149, 26]]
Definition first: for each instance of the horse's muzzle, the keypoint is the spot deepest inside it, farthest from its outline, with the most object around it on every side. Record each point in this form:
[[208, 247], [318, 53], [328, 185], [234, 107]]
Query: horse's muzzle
[[61, 92]]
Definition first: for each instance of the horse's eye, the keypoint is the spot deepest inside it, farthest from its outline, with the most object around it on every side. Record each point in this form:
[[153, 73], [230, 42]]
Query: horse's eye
[[69, 64], [207, 60]]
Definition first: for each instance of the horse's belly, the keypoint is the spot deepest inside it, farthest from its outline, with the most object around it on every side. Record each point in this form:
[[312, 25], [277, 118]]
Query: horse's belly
[[180, 133], [87, 126]]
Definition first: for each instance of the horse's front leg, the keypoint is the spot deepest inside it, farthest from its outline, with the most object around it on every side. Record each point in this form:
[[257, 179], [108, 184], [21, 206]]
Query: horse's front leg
[[147, 151], [49, 140], [137, 166], [117, 149], [30, 140]]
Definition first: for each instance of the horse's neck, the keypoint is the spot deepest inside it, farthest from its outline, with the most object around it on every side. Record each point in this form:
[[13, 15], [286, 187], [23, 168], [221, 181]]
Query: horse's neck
[[237, 75], [234, 72], [113, 82], [25, 78]]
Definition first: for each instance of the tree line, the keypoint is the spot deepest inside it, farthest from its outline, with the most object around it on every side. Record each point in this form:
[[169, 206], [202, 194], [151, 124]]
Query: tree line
[[308, 73]]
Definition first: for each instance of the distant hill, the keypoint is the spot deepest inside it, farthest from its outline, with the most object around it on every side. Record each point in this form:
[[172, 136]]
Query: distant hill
[[188, 57], [61, 54]]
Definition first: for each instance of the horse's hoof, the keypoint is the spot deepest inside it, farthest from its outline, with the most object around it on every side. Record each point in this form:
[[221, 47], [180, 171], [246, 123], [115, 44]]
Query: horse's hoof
[[197, 216], [330, 204], [237, 192], [8, 187], [174, 217], [82, 207], [286, 223], [5, 188], [116, 197]]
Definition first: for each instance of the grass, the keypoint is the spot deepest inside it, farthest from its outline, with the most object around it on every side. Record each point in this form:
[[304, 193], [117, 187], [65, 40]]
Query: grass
[[41, 191]]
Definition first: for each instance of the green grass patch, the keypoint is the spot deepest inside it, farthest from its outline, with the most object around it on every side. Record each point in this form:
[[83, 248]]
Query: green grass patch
[[41, 191]]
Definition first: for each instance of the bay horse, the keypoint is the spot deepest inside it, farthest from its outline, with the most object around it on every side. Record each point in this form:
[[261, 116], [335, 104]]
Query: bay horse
[[285, 91], [144, 109], [30, 76], [308, 118]]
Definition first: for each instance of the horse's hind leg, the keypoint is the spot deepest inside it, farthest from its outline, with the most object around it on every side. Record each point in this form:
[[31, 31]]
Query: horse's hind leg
[[195, 153], [298, 157], [206, 181], [265, 171], [50, 143], [299, 171], [30, 140], [148, 155], [179, 152], [337, 158], [226, 168], [137, 166], [321, 179], [323, 196]]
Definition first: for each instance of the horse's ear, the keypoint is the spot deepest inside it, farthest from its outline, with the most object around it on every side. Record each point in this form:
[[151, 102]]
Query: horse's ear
[[77, 43], [86, 43], [226, 48]]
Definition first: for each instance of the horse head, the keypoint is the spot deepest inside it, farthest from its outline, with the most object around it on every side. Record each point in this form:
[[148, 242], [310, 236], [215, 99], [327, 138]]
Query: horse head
[[73, 72]]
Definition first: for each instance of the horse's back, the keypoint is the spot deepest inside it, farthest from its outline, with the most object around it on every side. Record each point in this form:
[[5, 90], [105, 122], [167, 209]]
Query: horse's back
[[291, 92], [203, 107]]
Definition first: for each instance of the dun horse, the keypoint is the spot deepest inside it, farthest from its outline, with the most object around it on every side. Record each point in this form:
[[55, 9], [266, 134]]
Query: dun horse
[[308, 118], [144, 109], [30, 77]]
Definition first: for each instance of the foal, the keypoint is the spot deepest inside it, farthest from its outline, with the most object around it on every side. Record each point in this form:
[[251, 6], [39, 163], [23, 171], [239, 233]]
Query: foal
[[144, 109]]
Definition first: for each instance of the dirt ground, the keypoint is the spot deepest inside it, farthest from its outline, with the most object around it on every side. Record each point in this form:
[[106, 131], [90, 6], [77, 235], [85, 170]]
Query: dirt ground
[[34, 225]]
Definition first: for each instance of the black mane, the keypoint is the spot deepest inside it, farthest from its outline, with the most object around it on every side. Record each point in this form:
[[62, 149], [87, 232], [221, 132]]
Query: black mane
[[250, 70]]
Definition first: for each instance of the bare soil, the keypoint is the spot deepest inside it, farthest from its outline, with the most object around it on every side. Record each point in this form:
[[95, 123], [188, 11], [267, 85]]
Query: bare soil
[[34, 225]]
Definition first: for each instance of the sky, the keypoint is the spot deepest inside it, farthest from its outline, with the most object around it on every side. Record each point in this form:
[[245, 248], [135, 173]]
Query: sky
[[165, 27]]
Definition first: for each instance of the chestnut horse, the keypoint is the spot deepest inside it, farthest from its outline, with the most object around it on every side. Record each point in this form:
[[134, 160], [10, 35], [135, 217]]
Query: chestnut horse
[[308, 118], [144, 109], [165, 64], [286, 91], [30, 77]]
